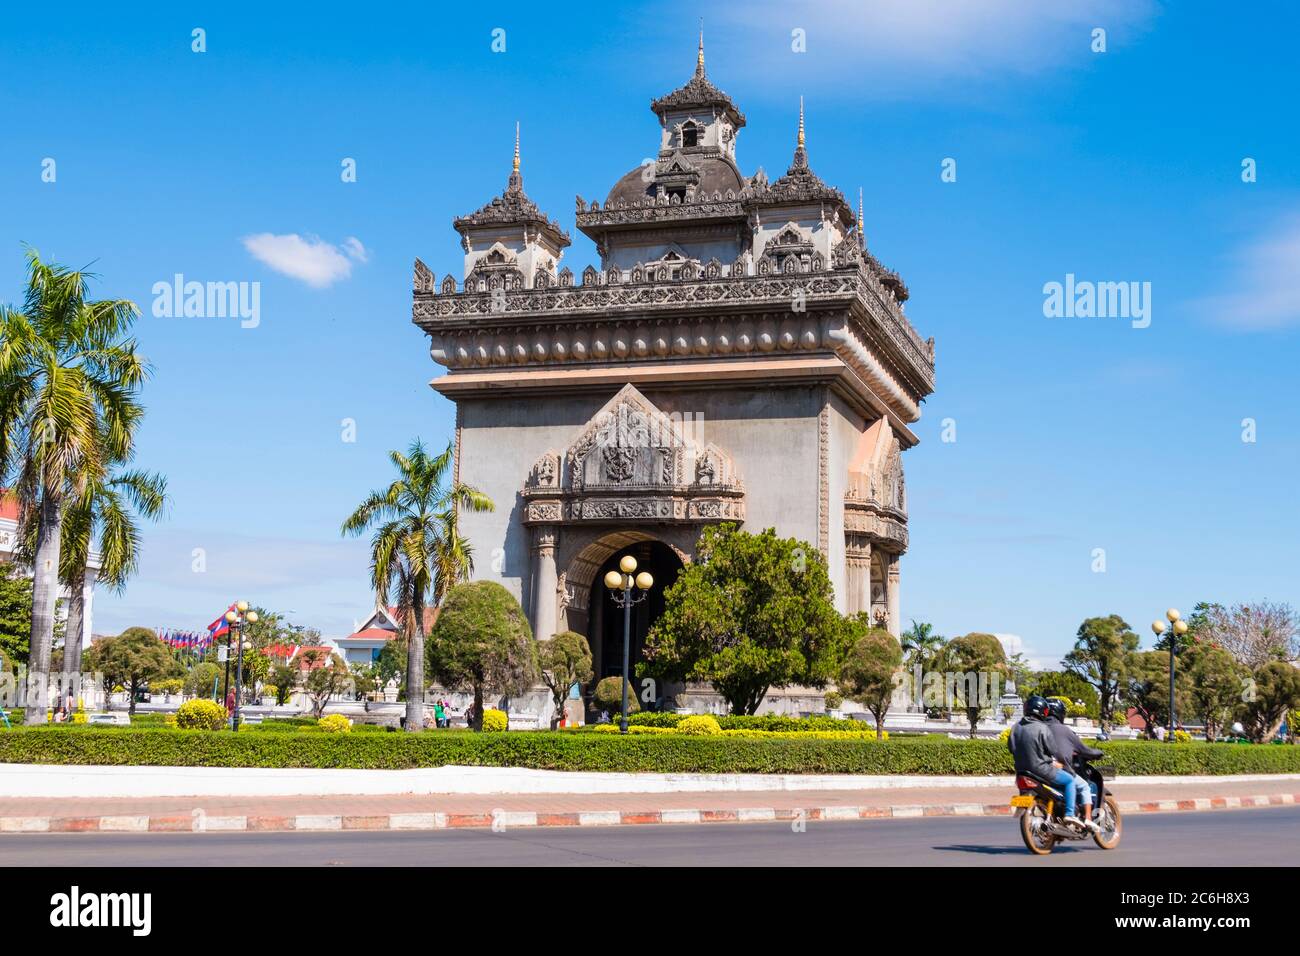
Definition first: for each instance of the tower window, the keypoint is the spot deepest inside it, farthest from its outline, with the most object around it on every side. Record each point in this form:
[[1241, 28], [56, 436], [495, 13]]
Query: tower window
[[690, 134]]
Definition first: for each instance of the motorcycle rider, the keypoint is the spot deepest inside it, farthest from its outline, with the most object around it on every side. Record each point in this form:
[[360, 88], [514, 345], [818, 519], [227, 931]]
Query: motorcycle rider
[[1068, 747], [1033, 748]]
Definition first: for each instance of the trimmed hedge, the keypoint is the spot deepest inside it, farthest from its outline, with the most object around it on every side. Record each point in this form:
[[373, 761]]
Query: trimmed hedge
[[773, 722], [663, 753]]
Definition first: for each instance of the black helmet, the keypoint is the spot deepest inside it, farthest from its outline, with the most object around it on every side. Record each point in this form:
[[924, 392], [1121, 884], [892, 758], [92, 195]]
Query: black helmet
[[1037, 706], [1056, 707]]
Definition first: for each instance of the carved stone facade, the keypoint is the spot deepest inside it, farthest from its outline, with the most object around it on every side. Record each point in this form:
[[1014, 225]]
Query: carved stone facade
[[738, 354]]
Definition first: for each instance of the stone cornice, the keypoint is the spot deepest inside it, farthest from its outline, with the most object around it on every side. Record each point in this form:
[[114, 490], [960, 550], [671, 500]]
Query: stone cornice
[[884, 527], [605, 321]]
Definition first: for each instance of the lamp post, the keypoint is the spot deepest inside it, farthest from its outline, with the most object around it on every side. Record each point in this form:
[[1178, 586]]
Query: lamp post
[[236, 617], [1179, 629], [621, 584]]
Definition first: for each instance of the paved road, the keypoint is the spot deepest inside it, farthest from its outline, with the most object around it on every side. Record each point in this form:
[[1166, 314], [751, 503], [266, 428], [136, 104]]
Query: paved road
[[1242, 837]]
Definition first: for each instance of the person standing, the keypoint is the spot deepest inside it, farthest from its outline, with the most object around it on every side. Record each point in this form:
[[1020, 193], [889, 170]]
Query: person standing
[[439, 713]]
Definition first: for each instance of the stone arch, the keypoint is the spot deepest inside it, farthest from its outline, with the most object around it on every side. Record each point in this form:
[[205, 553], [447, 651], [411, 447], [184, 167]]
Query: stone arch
[[582, 552]]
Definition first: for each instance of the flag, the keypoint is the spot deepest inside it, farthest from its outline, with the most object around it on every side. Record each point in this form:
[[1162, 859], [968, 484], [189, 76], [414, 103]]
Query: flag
[[219, 627]]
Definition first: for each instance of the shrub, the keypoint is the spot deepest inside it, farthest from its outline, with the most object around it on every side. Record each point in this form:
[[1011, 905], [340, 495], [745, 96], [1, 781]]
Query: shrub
[[335, 724], [495, 721], [171, 685], [200, 715], [1182, 737], [833, 700], [699, 725], [608, 695], [599, 752], [1004, 736]]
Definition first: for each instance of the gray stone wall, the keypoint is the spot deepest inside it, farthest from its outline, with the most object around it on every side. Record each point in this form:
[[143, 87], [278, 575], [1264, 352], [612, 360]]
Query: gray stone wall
[[771, 434]]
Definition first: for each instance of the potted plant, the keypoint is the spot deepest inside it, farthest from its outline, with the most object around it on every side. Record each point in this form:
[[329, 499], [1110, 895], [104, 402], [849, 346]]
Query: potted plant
[[834, 700]]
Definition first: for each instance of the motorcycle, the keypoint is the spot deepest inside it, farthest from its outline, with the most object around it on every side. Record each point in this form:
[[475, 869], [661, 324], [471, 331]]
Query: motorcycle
[[1041, 809]]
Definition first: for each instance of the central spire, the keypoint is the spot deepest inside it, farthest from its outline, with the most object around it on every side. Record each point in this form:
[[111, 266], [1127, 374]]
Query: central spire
[[516, 181], [800, 155], [699, 59]]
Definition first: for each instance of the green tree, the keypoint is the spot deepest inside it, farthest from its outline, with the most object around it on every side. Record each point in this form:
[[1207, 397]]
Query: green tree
[[1217, 681], [980, 665], [1061, 683], [201, 679], [1101, 648], [1275, 691], [15, 615], [392, 662], [253, 670], [417, 552], [482, 642], [1146, 688], [365, 678], [69, 380], [752, 612], [329, 680], [285, 677], [867, 674], [565, 660], [132, 659]]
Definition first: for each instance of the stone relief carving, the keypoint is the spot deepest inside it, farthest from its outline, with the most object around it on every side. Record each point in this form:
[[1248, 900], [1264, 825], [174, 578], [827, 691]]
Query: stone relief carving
[[634, 462]]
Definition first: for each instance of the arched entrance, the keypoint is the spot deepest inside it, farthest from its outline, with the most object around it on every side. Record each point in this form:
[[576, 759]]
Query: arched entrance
[[606, 618]]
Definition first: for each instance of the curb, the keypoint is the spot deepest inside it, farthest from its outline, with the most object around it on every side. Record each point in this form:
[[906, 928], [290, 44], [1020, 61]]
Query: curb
[[198, 822]]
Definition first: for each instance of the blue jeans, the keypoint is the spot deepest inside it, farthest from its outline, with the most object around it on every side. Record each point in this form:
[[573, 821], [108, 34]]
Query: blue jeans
[[1084, 791], [1067, 784]]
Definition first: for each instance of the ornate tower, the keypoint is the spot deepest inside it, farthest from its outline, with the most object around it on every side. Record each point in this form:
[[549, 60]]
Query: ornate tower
[[737, 355], [510, 243]]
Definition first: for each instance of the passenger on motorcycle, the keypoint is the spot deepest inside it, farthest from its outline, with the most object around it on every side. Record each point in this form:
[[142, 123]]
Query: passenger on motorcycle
[[1069, 747], [1033, 747]]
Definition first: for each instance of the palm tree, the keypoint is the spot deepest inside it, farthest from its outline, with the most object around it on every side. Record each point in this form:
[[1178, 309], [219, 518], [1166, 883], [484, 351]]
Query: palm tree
[[920, 645], [102, 515], [417, 553], [69, 378]]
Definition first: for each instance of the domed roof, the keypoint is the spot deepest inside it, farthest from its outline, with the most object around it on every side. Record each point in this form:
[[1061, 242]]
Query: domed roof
[[717, 173]]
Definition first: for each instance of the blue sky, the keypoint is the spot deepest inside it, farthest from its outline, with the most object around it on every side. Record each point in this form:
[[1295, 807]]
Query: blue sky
[[1073, 434]]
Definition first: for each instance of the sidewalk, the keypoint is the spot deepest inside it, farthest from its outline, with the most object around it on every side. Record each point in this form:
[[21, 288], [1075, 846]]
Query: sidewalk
[[438, 811]]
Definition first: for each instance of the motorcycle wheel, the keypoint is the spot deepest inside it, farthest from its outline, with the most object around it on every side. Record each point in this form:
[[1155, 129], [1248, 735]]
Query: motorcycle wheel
[[1033, 830], [1111, 825]]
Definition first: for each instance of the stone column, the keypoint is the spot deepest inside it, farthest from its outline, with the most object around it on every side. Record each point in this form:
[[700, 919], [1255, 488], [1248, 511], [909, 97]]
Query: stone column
[[891, 596], [544, 582]]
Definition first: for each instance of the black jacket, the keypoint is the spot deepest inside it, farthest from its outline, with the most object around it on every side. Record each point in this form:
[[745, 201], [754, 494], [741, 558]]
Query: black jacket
[[1032, 747], [1068, 746]]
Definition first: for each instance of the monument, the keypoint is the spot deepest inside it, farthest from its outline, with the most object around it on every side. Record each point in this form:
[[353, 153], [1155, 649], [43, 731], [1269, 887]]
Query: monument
[[739, 354]]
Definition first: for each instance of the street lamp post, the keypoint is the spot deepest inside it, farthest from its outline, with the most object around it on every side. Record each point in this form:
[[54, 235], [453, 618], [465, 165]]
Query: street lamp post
[[621, 584], [236, 617], [1179, 629]]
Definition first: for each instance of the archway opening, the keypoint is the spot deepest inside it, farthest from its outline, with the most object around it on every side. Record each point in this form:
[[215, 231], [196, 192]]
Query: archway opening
[[606, 621]]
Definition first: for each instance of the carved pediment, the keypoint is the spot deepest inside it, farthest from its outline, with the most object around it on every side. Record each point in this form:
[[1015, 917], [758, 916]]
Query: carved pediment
[[632, 461]]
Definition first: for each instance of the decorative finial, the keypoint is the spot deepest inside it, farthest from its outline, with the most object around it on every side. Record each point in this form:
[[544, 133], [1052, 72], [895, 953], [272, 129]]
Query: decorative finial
[[801, 122], [516, 166], [699, 59], [862, 238]]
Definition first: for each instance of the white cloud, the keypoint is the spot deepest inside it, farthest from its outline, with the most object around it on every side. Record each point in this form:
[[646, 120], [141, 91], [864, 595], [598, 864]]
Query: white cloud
[[353, 247], [1266, 284], [309, 259], [1013, 644], [896, 43]]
